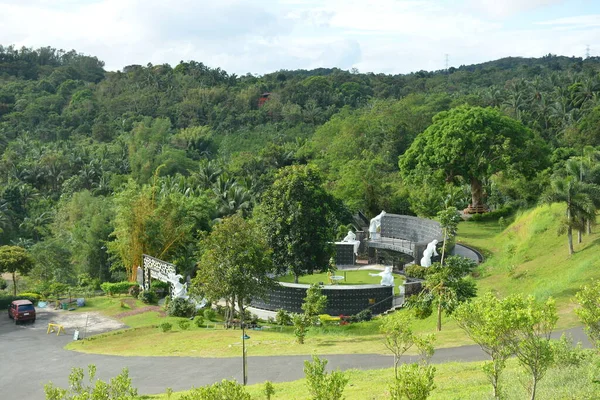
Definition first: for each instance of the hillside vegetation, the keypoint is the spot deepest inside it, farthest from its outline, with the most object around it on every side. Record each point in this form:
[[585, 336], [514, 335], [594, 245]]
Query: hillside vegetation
[[530, 257]]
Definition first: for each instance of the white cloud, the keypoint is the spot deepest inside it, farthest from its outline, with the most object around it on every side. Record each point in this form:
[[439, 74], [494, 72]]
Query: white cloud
[[243, 36], [507, 8]]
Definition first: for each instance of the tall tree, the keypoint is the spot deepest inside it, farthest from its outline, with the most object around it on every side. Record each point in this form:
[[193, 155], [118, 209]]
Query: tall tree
[[297, 217], [235, 263], [15, 260], [471, 144]]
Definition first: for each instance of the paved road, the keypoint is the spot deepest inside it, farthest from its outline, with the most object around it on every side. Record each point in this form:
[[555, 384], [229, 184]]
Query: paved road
[[29, 358]]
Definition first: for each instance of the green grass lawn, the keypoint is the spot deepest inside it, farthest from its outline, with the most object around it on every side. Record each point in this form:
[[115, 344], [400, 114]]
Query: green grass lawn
[[453, 381], [356, 277]]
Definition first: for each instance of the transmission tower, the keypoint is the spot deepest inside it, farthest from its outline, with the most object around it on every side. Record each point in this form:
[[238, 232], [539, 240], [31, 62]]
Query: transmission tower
[[446, 58], [587, 51]]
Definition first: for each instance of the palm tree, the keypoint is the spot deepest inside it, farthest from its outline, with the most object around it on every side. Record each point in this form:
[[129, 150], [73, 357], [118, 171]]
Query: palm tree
[[576, 196]]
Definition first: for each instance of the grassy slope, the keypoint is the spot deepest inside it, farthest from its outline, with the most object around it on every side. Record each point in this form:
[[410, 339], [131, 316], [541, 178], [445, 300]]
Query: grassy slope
[[530, 257]]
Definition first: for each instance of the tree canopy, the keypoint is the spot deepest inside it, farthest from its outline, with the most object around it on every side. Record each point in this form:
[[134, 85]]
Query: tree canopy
[[298, 220], [470, 144]]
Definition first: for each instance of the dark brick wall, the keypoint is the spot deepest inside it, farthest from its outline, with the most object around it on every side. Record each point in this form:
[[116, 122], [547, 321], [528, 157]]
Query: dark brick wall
[[346, 300]]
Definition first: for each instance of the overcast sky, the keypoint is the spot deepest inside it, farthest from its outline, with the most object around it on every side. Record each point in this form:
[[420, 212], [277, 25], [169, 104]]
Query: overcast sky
[[261, 36]]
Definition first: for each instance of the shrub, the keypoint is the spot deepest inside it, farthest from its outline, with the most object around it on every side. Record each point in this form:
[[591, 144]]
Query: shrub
[[504, 212], [230, 390], [323, 385], [327, 319], [364, 315], [134, 291], [209, 314], [118, 387], [199, 321], [160, 287], [184, 324], [414, 381], [283, 317], [268, 390], [181, 308], [416, 271], [117, 288], [3, 284], [5, 300], [33, 297], [166, 326], [148, 297]]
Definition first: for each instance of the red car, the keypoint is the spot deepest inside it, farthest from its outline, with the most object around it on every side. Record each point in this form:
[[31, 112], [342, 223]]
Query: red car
[[21, 310]]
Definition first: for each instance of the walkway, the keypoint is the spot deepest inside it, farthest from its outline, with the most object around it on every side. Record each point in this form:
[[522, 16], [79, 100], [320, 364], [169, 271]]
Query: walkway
[[28, 354]]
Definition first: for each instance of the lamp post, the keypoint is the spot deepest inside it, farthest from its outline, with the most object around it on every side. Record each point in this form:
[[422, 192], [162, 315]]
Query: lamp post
[[244, 365]]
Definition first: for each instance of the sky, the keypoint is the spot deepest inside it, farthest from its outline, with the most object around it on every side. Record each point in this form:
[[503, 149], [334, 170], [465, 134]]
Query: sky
[[262, 36]]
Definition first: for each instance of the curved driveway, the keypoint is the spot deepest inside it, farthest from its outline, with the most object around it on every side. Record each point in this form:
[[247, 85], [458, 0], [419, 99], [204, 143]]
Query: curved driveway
[[29, 358]]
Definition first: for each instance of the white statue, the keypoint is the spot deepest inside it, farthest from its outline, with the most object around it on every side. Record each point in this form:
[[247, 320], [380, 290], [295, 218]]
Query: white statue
[[351, 238], [375, 226], [429, 252], [179, 289], [387, 279]]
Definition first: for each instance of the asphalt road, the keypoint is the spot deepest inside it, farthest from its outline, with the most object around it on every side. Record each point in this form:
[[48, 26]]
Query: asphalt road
[[30, 358]]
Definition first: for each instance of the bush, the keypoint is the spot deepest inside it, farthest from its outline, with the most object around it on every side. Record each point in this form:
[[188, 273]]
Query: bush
[[181, 308], [323, 385], [117, 288], [33, 297], [503, 212], [199, 321], [416, 271], [118, 387], [283, 317], [209, 314], [184, 324], [166, 326], [364, 315], [5, 300], [134, 291], [230, 390], [326, 319], [160, 287], [3, 284], [148, 297]]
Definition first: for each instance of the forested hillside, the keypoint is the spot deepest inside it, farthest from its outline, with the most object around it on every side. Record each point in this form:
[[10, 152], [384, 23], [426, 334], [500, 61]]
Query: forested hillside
[[98, 167]]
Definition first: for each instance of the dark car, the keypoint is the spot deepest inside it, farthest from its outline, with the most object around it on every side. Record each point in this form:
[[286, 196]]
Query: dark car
[[21, 310]]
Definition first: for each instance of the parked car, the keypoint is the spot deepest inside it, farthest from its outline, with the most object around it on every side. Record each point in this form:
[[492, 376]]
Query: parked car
[[21, 310]]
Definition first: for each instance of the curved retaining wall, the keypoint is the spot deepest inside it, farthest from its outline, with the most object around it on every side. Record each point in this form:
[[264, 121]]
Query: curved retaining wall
[[341, 299], [407, 234]]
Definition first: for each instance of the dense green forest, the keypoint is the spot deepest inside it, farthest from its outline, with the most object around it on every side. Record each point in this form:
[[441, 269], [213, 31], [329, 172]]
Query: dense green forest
[[98, 167]]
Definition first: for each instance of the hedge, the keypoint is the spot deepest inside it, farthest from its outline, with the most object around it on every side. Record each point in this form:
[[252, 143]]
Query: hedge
[[5, 300], [117, 287]]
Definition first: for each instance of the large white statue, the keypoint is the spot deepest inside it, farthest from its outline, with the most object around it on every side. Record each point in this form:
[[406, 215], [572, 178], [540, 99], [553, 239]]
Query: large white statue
[[179, 289], [375, 226], [387, 279], [351, 238], [429, 252]]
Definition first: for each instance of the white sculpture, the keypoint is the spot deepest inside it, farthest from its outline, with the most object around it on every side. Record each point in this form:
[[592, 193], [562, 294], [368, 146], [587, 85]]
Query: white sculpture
[[429, 252], [179, 289], [375, 226], [387, 279], [351, 238]]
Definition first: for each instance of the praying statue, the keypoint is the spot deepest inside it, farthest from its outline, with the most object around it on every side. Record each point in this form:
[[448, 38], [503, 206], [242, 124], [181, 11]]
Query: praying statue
[[429, 252], [179, 289], [387, 279], [351, 238], [375, 226]]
